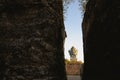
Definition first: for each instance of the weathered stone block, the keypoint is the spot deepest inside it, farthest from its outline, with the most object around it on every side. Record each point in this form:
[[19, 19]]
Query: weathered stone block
[[31, 40]]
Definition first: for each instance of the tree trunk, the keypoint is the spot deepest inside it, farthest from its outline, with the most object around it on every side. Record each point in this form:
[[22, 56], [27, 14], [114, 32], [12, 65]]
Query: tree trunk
[[31, 40], [101, 31]]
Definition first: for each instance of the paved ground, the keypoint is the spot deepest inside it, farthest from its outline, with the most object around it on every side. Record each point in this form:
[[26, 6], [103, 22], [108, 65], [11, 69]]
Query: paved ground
[[73, 77]]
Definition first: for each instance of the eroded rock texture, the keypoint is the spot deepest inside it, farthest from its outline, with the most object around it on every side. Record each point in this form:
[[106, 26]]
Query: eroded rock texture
[[31, 40], [101, 30]]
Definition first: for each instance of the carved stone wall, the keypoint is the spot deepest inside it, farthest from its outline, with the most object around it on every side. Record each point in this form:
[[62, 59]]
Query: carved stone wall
[[73, 69], [31, 40], [101, 31]]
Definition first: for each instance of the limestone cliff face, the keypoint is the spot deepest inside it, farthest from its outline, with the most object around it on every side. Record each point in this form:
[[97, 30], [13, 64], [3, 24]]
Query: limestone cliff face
[[31, 40], [101, 32], [73, 68]]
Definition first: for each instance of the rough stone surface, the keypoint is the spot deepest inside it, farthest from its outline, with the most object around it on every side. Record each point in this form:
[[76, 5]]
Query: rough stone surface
[[101, 31], [73, 69], [31, 40]]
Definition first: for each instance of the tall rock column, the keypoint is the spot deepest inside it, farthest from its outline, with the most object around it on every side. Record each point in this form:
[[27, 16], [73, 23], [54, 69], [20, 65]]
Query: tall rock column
[[31, 40], [101, 32]]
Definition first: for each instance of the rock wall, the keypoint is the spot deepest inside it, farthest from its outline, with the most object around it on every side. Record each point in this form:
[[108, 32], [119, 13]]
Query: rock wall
[[31, 40], [73, 69], [101, 31]]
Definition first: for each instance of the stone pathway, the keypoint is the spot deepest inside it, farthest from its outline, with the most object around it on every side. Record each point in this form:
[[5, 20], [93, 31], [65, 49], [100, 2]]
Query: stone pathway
[[73, 77]]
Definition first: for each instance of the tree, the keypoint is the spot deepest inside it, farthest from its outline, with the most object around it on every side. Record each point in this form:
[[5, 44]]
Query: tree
[[83, 5], [81, 2]]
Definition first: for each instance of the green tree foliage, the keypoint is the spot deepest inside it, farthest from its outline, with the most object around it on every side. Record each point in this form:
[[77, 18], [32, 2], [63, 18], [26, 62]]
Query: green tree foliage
[[66, 3], [72, 62], [83, 5], [81, 2]]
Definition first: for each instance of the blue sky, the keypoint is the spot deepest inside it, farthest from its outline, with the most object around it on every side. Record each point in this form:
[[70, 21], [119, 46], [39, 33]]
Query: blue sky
[[72, 23]]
